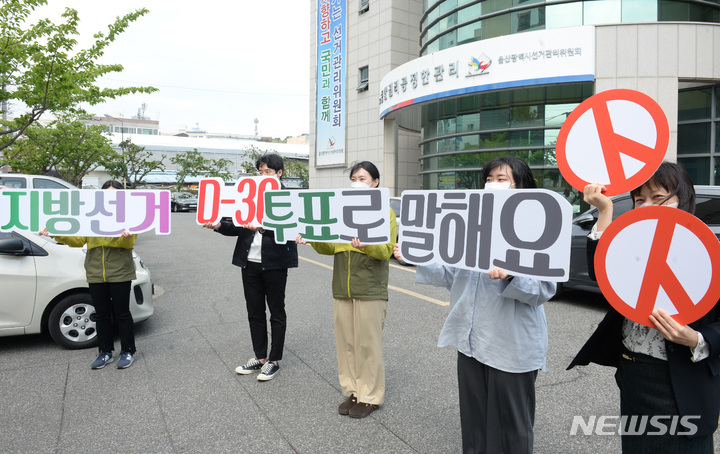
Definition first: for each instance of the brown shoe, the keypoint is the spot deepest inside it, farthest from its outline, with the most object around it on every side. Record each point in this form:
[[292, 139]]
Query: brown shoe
[[361, 410], [344, 408]]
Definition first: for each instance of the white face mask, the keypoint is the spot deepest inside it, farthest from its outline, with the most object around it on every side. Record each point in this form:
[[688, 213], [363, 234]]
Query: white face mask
[[359, 184], [498, 185], [650, 204]]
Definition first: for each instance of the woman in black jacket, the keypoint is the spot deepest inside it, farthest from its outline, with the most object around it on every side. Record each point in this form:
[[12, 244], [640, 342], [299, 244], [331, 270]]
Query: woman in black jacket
[[667, 374], [264, 266]]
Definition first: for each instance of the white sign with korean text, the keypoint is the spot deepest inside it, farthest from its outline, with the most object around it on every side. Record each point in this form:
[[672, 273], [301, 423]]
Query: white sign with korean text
[[85, 212], [243, 202], [329, 215], [525, 232], [540, 57]]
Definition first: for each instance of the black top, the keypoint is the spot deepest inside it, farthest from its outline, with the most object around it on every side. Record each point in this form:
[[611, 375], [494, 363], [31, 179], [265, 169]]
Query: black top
[[274, 256], [696, 386]]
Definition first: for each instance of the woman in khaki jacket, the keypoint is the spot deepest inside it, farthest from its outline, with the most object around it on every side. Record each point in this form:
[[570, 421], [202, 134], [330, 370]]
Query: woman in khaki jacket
[[360, 292], [109, 268]]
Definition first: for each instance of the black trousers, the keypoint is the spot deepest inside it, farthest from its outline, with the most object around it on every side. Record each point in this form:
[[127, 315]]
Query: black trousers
[[260, 287], [112, 302], [497, 409], [646, 391]]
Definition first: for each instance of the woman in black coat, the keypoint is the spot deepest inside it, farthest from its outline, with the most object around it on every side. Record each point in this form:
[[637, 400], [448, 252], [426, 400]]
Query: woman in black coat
[[667, 375]]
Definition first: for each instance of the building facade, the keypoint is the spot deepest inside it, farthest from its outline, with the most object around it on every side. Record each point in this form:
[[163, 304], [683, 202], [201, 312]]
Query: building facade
[[452, 84]]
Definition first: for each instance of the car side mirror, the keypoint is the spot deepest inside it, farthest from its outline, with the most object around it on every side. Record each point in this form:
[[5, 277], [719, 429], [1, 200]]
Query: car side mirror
[[584, 219], [13, 246]]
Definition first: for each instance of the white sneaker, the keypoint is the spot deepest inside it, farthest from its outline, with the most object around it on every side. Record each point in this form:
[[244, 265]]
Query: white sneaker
[[253, 365], [268, 371]]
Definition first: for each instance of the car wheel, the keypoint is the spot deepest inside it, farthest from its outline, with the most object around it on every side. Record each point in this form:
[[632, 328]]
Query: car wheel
[[174, 208], [72, 322]]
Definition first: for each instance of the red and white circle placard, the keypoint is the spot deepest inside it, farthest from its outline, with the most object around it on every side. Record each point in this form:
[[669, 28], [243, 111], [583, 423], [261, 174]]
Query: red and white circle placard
[[659, 258], [617, 138]]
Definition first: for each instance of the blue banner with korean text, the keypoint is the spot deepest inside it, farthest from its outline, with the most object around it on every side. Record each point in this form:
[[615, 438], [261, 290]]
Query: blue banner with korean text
[[331, 83]]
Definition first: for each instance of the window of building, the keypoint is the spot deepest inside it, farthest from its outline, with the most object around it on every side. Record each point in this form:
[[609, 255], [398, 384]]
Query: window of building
[[364, 79], [461, 135], [463, 20], [698, 143], [364, 6]]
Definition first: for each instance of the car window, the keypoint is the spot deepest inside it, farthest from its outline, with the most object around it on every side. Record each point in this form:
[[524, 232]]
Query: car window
[[43, 183], [395, 206], [13, 182], [707, 209], [621, 206]]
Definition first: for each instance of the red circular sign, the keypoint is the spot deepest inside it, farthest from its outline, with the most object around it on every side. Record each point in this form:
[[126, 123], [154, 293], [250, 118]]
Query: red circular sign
[[617, 138], [659, 257]]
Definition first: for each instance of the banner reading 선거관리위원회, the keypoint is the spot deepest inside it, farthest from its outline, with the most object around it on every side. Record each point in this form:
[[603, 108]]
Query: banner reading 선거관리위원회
[[330, 119]]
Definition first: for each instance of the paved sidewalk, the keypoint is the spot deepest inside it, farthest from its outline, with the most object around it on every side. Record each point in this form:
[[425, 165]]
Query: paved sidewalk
[[182, 396]]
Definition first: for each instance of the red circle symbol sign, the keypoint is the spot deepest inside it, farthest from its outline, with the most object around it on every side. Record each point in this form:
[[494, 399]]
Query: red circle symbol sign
[[617, 138], [659, 258]]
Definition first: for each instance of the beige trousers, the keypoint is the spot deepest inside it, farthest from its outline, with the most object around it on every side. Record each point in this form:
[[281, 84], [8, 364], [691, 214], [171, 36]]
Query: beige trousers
[[358, 335]]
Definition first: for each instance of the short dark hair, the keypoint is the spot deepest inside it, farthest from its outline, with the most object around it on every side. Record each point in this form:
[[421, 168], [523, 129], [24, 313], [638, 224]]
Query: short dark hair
[[367, 165], [521, 172], [272, 160], [114, 183], [676, 181]]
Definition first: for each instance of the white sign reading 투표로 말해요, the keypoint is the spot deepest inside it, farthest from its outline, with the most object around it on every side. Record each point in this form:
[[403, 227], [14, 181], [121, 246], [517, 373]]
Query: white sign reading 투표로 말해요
[[525, 232]]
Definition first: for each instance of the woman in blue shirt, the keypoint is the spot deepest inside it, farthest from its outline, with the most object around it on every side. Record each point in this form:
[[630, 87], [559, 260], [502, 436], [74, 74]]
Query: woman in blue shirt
[[497, 323]]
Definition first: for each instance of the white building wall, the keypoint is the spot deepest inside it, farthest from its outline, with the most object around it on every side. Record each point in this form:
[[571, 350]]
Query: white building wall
[[657, 59], [383, 38]]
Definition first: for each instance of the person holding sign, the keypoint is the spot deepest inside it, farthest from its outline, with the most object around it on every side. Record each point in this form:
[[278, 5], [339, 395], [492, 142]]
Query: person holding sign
[[669, 373], [360, 292], [497, 323], [109, 269], [264, 266]]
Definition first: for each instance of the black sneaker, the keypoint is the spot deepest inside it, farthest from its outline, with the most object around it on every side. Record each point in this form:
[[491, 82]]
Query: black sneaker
[[253, 365], [268, 371]]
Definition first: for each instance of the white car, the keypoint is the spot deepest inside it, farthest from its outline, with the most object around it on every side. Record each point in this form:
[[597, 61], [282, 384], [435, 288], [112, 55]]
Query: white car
[[22, 181], [44, 290]]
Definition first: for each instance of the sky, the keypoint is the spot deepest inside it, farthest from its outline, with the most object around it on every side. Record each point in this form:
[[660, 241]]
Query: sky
[[218, 64]]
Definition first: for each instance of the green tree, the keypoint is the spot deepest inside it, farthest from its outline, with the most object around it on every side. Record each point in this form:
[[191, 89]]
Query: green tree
[[132, 164], [297, 169], [69, 148], [192, 163], [42, 71], [250, 154], [293, 168]]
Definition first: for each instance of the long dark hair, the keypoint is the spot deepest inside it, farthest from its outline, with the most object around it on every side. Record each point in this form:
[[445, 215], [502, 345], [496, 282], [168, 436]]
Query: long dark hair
[[521, 172], [367, 165], [676, 181]]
